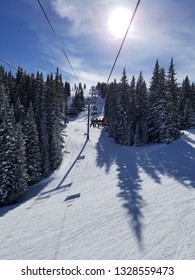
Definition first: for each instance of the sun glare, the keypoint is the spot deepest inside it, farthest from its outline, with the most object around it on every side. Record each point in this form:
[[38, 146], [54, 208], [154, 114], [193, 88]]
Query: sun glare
[[118, 21]]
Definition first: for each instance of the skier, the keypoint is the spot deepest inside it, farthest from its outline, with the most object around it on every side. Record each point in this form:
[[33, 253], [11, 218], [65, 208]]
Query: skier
[[92, 121], [104, 121]]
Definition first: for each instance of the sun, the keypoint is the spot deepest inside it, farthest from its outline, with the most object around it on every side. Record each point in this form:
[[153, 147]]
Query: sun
[[118, 21]]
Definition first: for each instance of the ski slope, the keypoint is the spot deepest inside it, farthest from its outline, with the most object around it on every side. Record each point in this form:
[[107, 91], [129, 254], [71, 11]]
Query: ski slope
[[107, 201]]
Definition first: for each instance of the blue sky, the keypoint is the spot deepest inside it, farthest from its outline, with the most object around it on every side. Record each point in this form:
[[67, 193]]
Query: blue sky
[[161, 29]]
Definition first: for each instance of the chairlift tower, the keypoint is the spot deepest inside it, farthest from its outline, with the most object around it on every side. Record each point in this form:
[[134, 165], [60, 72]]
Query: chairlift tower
[[88, 116]]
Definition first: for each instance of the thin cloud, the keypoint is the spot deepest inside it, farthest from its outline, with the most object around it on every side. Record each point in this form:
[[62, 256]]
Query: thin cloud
[[161, 30]]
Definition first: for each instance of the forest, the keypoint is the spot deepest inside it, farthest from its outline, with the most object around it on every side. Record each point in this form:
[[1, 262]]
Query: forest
[[137, 115], [33, 114], [32, 117]]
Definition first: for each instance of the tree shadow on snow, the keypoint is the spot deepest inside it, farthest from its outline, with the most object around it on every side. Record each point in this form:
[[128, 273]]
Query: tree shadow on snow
[[176, 160], [129, 182], [33, 191]]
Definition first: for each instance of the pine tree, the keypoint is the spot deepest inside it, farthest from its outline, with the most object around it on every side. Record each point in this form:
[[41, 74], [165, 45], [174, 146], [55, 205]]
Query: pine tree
[[32, 147], [153, 105], [186, 110], [141, 110], [137, 137], [124, 91], [122, 110], [13, 176], [21, 163], [41, 105], [131, 112], [188, 116], [111, 109], [164, 121], [54, 118], [172, 88], [78, 100]]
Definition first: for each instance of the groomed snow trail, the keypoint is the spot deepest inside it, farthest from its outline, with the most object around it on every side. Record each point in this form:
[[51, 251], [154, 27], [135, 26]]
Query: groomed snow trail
[[107, 201]]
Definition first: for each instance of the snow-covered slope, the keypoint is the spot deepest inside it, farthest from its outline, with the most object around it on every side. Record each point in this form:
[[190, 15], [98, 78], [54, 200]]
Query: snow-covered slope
[[107, 201]]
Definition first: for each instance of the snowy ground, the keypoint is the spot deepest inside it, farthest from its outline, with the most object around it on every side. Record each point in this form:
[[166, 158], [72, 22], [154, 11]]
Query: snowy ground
[[107, 201]]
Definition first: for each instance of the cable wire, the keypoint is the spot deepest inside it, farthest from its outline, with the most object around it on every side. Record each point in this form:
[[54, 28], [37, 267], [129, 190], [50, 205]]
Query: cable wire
[[123, 40], [57, 38]]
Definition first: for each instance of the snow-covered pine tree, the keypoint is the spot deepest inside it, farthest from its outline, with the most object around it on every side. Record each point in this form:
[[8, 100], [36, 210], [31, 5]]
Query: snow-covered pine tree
[[188, 116], [123, 107], [13, 176], [137, 137], [55, 112], [153, 105], [1, 75], [40, 105], [21, 163], [164, 121], [172, 88], [111, 108], [141, 110], [192, 100], [78, 100], [124, 91], [131, 113], [186, 111], [32, 147], [67, 94], [22, 85]]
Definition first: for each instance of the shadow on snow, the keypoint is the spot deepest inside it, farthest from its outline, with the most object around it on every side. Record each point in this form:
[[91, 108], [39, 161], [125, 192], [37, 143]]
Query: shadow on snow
[[176, 160], [73, 164], [129, 183], [36, 190], [33, 191]]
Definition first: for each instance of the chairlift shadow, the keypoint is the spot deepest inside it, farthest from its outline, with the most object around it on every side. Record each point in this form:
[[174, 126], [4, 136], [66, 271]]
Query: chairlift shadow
[[73, 164]]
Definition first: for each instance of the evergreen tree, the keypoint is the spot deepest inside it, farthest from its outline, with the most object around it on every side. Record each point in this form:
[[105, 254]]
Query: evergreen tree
[[153, 105], [186, 110], [78, 100], [193, 96], [164, 121], [122, 110], [13, 176], [54, 118], [137, 137], [41, 106], [141, 110], [188, 116], [32, 147], [172, 88], [131, 112], [111, 109], [67, 90], [21, 163]]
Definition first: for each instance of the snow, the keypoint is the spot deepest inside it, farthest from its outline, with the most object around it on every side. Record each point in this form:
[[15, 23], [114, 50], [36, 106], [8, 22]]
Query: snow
[[107, 201]]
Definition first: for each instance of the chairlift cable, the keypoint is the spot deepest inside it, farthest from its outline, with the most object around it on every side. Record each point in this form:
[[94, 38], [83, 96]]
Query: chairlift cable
[[123, 41], [57, 38]]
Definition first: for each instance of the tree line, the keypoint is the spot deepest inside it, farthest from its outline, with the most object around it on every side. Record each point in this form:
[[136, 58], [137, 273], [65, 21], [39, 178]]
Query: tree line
[[138, 115], [32, 114]]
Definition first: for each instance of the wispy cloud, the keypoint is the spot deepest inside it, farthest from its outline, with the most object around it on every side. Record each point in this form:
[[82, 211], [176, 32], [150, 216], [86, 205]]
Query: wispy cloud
[[161, 30]]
